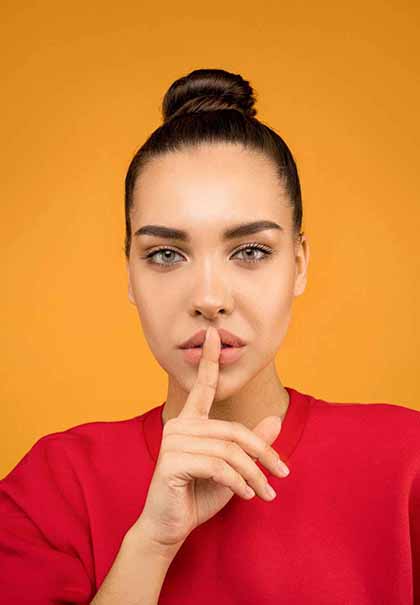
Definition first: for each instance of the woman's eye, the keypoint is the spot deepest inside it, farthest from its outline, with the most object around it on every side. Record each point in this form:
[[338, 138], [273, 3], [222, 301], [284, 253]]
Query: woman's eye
[[249, 253], [248, 250], [152, 255]]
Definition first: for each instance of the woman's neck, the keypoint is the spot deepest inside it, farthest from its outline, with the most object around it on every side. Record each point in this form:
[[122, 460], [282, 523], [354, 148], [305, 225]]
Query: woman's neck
[[263, 396]]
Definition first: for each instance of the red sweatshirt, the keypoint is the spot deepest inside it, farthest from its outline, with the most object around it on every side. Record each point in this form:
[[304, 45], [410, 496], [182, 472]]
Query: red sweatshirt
[[343, 530]]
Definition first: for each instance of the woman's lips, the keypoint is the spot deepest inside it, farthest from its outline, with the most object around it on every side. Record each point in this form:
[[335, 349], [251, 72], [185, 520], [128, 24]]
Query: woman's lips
[[227, 355], [225, 337]]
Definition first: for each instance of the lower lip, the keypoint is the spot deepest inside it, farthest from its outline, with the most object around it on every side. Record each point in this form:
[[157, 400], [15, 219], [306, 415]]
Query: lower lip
[[227, 356]]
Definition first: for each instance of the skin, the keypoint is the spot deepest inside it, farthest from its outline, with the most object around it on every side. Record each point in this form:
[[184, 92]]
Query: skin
[[208, 282]]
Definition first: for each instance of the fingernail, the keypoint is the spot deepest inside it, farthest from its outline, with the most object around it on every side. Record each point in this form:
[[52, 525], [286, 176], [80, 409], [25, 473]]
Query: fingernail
[[283, 468], [271, 493]]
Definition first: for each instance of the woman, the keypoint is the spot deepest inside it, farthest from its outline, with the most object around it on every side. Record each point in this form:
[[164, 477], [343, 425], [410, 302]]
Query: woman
[[160, 507]]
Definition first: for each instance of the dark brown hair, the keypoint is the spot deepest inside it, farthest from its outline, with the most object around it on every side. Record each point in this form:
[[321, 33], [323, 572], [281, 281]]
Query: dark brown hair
[[211, 106]]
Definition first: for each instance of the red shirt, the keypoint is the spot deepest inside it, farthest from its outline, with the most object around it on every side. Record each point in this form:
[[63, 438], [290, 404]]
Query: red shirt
[[344, 528]]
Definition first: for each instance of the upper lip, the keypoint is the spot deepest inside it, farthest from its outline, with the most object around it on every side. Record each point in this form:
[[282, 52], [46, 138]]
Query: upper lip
[[226, 337]]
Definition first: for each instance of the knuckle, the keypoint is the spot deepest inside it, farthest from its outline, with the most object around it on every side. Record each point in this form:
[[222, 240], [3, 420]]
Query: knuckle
[[248, 470], [263, 479], [258, 476], [235, 431], [165, 463], [171, 440], [166, 457], [211, 363], [206, 385], [237, 426], [231, 450], [218, 467], [264, 450]]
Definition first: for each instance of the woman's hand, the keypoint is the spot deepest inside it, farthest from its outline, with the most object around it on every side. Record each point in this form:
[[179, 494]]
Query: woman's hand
[[203, 462]]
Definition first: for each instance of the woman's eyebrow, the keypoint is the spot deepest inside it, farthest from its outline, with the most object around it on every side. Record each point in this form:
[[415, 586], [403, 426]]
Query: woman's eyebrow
[[238, 230]]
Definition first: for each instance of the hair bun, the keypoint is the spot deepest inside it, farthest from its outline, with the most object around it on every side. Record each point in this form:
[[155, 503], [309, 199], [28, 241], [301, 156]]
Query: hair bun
[[208, 90]]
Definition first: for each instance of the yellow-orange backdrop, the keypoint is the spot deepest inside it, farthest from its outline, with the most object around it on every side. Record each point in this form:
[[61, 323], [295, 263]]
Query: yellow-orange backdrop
[[82, 87]]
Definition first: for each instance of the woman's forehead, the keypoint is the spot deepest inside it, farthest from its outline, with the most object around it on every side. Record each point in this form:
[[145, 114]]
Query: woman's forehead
[[224, 170], [222, 189]]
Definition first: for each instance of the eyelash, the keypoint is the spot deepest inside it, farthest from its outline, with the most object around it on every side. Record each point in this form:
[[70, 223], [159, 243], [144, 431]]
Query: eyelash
[[253, 246]]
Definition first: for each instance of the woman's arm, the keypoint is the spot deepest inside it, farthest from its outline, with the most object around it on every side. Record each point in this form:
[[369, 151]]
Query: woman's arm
[[138, 572]]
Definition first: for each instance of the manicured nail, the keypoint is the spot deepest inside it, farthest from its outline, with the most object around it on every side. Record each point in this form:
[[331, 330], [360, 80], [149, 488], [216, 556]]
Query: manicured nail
[[271, 493], [283, 468]]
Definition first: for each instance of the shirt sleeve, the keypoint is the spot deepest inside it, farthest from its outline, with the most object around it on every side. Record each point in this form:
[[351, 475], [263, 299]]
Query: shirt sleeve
[[45, 552]]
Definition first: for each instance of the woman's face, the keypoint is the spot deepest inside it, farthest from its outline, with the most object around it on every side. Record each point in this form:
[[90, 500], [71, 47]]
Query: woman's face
[[207, 280]]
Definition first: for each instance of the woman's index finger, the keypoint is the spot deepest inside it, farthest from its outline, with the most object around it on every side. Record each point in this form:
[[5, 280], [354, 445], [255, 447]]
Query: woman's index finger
[[201, 397]]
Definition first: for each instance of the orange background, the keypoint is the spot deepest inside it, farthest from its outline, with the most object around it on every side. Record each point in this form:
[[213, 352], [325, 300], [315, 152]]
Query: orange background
[[82, 88]]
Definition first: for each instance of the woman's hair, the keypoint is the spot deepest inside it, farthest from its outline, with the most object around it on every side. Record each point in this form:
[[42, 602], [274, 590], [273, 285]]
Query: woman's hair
[[212, 106]]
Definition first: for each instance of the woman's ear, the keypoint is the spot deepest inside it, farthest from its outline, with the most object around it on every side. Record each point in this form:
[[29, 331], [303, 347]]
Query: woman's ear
[[302, 261]]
